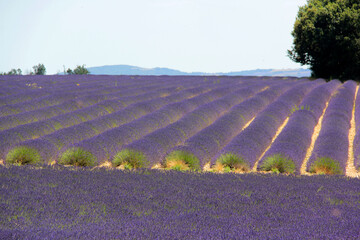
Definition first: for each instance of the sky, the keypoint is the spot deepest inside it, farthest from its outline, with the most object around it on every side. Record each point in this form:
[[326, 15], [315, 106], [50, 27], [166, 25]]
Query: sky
[[187, 35]]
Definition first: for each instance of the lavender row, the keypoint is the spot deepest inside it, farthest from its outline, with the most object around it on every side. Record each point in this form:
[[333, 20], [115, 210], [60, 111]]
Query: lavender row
[[61, 203], [357, 132], [67, 123], [7, 122], [205, 144], [61, 96], [86, 88], [33, 90], [333, 139], [104, 146], [156, 145], [295, 138], [50, 145], [254, 140]]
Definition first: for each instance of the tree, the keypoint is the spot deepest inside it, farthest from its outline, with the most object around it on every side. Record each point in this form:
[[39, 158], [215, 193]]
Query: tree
[[69, 71], [327, 38], [13, 72], [39, 69], [81, 70]]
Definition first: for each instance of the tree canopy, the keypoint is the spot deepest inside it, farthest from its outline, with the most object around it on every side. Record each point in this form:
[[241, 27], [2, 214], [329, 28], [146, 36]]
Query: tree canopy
[[39, 69], [79, 70], [13, 72], [327, 38]]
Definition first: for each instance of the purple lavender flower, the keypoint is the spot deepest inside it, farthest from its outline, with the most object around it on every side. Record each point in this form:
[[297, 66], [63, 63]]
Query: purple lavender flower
[[333, 141], [295, 138], [112, 141], [60, 203], [253, 141], [163, 140]]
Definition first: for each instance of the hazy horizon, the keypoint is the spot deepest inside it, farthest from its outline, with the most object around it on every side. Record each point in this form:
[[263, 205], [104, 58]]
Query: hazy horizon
[[186, 35]]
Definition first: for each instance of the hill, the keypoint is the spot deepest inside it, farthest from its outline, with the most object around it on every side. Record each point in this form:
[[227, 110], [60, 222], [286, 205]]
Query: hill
[[134, 70]]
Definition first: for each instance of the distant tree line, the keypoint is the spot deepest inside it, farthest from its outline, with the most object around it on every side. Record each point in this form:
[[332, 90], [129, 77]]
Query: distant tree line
[[13, 72], [40, 69]]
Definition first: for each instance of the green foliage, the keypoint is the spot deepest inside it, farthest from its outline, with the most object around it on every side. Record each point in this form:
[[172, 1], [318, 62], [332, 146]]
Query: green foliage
[[23, 155], [80, 70], [69, 71], [296, 108], [77, 157], [325, 165], [130, 159], [327, 37], [278, 163], [177, 157], [231, 162], [13, 72], [39, 69]]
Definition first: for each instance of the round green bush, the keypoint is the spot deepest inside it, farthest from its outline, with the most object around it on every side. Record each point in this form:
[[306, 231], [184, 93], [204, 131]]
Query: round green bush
[[231, 162], [181, 160], [23, 155], [325, 165], [130, 159], [278, 163], [77, 157]]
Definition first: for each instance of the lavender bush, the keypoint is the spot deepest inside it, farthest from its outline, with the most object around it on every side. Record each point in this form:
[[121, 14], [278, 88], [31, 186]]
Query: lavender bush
[[54, 130], [254, 140], [63, 203], [295, 138], [333, 140], [157, 144], [110, 142], [209, 141]]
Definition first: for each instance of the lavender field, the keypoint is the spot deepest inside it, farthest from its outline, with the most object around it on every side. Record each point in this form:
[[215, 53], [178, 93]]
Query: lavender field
[[63, 140], [60, 203], [204, 123]]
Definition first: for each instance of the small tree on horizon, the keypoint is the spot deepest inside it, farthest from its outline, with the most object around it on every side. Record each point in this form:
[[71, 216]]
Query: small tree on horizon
[[39, 69], [69, 71], [81, 70]]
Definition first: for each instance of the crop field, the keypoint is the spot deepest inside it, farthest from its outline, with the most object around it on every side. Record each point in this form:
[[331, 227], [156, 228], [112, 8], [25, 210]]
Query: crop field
[[243, 124], [160, 157]]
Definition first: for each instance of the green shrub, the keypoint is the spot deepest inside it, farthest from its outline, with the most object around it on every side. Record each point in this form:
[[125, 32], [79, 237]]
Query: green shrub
[[130, 159], [325, 165], [181, 160], [278, 163], [231, 162], [23, 155], [77, 157]]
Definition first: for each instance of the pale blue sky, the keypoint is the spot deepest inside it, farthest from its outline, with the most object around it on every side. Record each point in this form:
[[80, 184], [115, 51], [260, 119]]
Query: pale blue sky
[[188, 35]]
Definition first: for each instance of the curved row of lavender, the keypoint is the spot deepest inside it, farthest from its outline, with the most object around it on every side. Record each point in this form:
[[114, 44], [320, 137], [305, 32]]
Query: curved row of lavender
[[156, 145], [72, 121], [357, 131], [106, 145], [111, 102], [157, 115], [333, 139], [59, 95], [49, 145], [208, 142], [295, 138], [64, 204], [254, 140], [78, 102]]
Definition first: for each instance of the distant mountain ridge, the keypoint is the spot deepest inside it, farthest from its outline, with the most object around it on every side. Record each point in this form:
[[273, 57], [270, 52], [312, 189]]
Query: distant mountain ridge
[[133, 70]]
